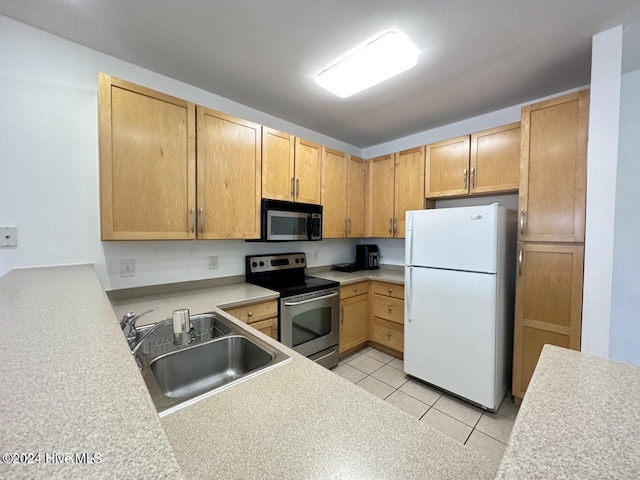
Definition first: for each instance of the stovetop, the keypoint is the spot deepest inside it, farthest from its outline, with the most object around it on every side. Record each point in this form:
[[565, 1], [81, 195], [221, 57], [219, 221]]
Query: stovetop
[[284, 273]]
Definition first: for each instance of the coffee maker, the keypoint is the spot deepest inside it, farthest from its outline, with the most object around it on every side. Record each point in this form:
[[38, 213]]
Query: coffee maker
[[367, 257]]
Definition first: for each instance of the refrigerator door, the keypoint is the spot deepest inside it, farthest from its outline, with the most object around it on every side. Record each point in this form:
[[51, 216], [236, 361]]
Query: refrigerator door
[[449, 331], [464, 238]]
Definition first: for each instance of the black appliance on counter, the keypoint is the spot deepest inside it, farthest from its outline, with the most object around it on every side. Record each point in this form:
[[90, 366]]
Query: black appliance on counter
[[308, 308], [367, 257]]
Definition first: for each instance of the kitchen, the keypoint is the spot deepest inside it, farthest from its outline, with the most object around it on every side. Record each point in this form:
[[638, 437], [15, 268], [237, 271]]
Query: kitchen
[[67, 169]]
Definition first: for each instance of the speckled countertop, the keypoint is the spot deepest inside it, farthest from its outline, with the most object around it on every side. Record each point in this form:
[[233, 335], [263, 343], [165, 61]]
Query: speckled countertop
[[69, 384], [392, 274], [580, 419]]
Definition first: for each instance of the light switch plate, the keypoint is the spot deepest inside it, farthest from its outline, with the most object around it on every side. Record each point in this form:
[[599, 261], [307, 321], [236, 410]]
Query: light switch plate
[[213, 262], [127, 267], [8, 236]]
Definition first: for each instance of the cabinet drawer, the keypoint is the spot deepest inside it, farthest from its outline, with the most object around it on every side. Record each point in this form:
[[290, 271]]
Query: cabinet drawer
[[389, 308], [388, 289], [254, 312], [388, 334], [348, 291]]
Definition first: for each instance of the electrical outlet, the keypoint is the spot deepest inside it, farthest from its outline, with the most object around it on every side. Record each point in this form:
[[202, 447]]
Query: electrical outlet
[[8, 236], [127, 267], [213, 262], [316, 254]]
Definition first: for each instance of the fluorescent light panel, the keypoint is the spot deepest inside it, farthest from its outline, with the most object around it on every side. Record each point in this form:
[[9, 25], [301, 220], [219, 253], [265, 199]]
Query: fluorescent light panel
[[367, 65]]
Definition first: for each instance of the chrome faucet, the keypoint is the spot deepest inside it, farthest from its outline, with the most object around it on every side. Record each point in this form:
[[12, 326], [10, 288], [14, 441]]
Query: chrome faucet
[[128, 325]]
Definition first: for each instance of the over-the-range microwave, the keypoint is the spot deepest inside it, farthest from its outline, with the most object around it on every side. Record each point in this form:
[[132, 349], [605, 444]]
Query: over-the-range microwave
[[286, 221]]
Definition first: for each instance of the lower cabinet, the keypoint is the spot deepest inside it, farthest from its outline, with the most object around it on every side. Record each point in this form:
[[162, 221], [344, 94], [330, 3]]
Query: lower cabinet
[[387, 326], [354, 315], [548, 305], [262, 316]]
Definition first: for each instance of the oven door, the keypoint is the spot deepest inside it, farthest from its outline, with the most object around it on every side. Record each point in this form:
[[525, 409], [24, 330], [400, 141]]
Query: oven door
[[285, 225], [310, 322]]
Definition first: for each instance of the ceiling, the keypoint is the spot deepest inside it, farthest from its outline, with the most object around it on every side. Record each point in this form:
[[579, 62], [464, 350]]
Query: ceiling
[[476, 57]]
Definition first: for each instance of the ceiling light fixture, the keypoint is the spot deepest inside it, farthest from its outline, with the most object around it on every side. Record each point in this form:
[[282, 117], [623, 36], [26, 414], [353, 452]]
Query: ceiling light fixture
[[370, 63]]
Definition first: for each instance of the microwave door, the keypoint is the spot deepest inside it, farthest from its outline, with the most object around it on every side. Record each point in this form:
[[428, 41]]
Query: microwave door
[[283, 225]]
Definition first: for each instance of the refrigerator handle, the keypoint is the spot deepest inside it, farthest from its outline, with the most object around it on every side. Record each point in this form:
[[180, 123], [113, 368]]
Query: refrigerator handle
[[409, 238], [407, 294]]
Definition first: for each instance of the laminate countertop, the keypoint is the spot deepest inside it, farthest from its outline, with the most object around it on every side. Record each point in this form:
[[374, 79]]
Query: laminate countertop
[[580, 419], [71, 385]]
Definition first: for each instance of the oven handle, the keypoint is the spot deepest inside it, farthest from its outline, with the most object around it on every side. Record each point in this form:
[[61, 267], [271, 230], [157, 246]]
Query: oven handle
[[293, 304]]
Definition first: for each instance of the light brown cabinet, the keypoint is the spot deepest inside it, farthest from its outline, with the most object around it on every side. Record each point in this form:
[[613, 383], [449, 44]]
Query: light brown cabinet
[[387, 325], [342, 194], [548, 307], [262, 316], [447, 167], [495, 160], [354, 316], [553, 171], [308, 164], [395, 185], [147, 163], [278, 179], [228, 176]]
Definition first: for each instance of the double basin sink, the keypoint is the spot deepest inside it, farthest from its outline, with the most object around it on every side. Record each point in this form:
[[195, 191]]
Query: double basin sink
[[220, 355]]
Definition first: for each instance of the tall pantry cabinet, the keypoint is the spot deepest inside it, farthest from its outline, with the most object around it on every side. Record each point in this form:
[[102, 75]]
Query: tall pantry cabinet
[[551, 203]]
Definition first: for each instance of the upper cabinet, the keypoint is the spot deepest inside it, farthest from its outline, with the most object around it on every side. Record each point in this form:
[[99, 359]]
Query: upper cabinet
[[495, 160], [553, 171], [147, 163], [278, 180], [395, 185], [448, 167], [152, 185], [228, 173], [291, 168], [482, 163], [343, 183]]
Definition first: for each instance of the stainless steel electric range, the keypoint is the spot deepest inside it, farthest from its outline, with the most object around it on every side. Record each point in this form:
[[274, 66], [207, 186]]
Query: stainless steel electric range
[[308, 310]]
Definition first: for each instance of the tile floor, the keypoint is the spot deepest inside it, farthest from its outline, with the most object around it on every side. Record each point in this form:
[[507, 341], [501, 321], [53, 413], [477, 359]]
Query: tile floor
[[382, 375]]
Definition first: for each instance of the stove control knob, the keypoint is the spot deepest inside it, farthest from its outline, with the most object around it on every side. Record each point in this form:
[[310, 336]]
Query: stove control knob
[[262, 264], [301, 259], [254, 264], [297, 260]]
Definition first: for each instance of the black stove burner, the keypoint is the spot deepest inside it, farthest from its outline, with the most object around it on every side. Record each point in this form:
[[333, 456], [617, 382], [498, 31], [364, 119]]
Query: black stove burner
[[291, 287]]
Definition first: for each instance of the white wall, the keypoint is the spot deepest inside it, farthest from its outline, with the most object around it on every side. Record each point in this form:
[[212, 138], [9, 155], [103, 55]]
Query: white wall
[[624, 341], [604, 116], [49, 166]]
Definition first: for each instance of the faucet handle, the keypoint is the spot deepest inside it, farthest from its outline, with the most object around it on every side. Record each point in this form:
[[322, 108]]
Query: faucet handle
[[128, 324]]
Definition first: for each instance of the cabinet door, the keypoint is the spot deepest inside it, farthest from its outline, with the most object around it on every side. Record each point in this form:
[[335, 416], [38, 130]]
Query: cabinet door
[[353, 322], [409, 186], [553, 171], [229, 153], [269, 327], [495, 160], [548, 305], [447, 168], [334, 193], [307, 171], [355, 197], [147, 163], [277, 164], [380, 197]]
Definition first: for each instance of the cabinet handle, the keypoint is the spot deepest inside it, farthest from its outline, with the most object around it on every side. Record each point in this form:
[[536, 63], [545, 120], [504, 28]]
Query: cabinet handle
[[521, 221], [389, 335], [192, 214], [390, 290], [395, 226], [355, 289], [349, 228], [464, 177], [389, 308], [293, 192], [201, 219], [297, 187], [520, 258], [473, 177], [341, 315], [390, 226], [250, 314], [346, 230]]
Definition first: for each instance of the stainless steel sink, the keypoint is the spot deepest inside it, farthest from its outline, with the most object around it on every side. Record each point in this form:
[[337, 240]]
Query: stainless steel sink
[[221, 355]]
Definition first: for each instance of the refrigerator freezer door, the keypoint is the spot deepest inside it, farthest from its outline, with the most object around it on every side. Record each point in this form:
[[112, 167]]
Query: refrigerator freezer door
[[449, 332], [454, 238]]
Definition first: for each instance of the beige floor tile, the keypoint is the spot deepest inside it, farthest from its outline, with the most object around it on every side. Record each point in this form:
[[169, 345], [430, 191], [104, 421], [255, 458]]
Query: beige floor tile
[[380, 356], [495, 426], [364, 349], [420, 391], [366, 364], [458, 409], [447, 425], [485, 445], [348, 358], [349, 373], [390, 376], [397, 363], [376, 387], [508, 408], [407, 403]]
